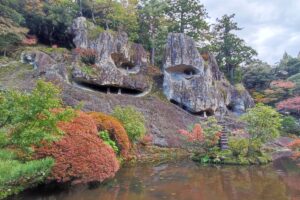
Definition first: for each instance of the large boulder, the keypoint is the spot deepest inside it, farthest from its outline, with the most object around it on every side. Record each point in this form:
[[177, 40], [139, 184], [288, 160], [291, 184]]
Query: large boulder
[[120, 64], [195, 81]]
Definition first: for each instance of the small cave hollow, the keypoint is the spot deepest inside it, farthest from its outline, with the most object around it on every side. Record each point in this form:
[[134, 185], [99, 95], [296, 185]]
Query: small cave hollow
[[110, 89], [183, 69], [230, 107], [204, 113], [121, 61]]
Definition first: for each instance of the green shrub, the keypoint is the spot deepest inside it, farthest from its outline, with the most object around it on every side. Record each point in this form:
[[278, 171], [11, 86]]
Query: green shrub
[[289, 125], [104, 135], [263, 122], [88, 70], [7, 155], [239, 147], [16, 176], [210, 128], [133, 121], [94, 33], [28, 118]]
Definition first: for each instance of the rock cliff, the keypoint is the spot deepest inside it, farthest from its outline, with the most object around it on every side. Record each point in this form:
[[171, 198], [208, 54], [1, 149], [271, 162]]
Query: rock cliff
[[195, 82], [119, 65]]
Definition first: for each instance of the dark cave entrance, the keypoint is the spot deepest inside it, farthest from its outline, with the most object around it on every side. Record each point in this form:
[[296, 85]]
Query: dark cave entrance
[[204, 113], [110, 89], [183, 69], [189, 72]]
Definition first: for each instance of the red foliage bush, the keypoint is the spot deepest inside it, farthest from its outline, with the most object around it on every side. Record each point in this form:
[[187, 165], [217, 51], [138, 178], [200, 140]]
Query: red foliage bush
[[195, 135], [146, 140], [88, 56], [291, 104], [295, 145], [30, 40], [283, 84], [115, 129], [80, 156]]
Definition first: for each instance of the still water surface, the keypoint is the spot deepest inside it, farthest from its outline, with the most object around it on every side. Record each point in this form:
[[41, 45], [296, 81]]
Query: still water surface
[[186, 180]]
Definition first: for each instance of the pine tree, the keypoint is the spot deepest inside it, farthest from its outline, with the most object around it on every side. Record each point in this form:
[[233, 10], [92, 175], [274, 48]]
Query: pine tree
[[231, 50], [188, 16], [152, 17]]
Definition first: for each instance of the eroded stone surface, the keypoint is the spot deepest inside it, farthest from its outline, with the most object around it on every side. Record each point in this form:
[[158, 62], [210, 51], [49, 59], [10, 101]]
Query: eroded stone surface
[[120, 63], [195, 82]]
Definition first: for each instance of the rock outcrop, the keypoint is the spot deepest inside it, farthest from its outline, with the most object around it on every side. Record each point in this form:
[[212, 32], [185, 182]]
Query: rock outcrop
[[120, 64], [195, 82]]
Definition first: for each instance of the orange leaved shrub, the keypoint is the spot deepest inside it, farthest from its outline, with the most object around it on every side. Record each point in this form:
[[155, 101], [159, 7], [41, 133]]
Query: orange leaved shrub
[[80, 156], [195, 135], [115, 129], [295, 145]]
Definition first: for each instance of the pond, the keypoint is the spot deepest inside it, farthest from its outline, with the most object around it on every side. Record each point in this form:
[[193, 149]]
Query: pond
[[186, 180]]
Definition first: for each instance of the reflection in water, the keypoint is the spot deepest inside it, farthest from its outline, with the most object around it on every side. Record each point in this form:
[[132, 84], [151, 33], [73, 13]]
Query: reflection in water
[[187, 181]]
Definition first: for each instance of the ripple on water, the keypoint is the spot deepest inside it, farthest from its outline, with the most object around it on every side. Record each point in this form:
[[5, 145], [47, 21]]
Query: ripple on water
[[186, 180]]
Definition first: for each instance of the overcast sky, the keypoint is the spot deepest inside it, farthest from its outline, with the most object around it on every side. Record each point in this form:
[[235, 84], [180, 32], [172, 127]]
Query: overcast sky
[[269, 26]]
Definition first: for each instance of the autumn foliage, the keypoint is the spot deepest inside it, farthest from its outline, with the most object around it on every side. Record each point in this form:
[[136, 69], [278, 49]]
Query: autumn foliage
[[195, 135], [291, 104], [295, 145], [115, 129], [283, 84], [30, 40], [88, 56], [80, 156]]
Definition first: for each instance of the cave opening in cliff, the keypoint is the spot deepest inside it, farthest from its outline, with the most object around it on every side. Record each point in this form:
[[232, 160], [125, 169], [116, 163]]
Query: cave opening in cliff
[[110, 89], [183, 69], [121, 61], [204, 113], [230, 107]]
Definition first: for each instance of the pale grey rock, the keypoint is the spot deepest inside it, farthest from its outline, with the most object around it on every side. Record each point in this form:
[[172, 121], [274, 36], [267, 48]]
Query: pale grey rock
[[195, 81], [119, 64]]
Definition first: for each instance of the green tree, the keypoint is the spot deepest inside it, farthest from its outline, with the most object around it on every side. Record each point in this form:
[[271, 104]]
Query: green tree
[[257, 75], [231, 50], [187, 16], [113, 14], [28, 118], [50, 20], [152, 18], [263, 123], [11, 31], [133, 121]]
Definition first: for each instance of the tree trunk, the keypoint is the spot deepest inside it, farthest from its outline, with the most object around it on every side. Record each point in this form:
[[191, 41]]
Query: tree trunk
[[93, 15], [106, 25], [232, 75], [80, 7], [152, 43], [181, 23], [153, 55]]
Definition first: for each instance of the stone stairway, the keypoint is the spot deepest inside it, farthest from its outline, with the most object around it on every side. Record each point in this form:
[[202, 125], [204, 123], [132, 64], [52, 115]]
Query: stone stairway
[[223, 142]]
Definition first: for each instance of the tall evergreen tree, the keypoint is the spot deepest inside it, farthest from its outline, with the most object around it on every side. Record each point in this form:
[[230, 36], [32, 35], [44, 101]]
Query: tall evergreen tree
[[231, 50], [152, 17], [188, 16]]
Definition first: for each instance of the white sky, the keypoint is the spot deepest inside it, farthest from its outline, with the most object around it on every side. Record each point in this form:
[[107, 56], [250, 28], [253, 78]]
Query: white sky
[[271, 27]]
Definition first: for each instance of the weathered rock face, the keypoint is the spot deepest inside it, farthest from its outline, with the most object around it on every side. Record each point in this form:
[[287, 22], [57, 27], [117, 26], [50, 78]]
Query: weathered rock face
[[190, 81], [120, 64], [240, 101], [195, 82]]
